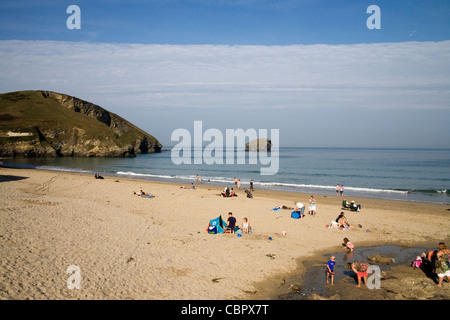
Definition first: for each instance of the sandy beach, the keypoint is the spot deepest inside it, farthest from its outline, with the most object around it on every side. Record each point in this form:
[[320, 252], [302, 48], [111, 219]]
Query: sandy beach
[[129, 247]]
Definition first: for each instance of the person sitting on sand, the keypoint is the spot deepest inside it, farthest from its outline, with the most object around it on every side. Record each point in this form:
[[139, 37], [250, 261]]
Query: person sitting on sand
[[354, 207], [245, 226], [226, 192], [345, 204], [348, 244], [342, 221], [231, 223], [192, 187], [142, 193], [361, 270]]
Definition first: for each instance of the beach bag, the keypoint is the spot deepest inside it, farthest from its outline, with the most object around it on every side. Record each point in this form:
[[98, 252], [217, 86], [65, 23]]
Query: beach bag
[[295, 215], [218, 223], [212, 230]]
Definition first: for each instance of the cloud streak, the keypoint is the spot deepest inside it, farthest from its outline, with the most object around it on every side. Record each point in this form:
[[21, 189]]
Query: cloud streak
[[390, 75], [264, 84], [397, 75]]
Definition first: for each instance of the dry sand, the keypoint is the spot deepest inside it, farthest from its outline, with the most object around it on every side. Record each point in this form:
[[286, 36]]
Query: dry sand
[[128, 247]]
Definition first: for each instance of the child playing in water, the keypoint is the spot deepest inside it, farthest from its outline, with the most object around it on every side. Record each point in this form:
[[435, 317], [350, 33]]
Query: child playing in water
[[348, 244], [330, 269], [417, 263]]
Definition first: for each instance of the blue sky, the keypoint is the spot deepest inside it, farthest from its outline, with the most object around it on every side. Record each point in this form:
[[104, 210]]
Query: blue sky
[[232, 22], [309, 68]]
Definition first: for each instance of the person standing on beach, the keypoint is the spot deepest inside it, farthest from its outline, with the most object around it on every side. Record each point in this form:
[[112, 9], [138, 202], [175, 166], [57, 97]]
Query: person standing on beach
[[251, 185], [442, 264], [312, 206], [330, 269], [341, 190], [337, 190]]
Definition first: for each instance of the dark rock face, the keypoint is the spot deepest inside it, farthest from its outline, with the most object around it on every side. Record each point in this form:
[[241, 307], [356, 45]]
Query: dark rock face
[[96, 132]]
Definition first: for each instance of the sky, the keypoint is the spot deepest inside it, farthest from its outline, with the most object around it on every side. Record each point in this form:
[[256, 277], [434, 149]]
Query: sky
[[316, 70]]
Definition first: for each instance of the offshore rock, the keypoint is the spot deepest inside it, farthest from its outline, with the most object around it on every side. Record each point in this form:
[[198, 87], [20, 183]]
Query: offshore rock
[[262, 144]]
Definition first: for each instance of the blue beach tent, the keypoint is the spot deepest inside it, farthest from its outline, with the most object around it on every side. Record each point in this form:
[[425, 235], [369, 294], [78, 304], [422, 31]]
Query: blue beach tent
[[218, 224]]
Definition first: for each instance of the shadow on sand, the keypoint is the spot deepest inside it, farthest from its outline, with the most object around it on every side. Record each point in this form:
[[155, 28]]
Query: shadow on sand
[[7, 178]]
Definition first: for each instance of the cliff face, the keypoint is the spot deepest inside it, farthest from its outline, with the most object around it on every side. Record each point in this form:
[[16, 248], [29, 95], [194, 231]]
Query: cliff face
[[50, 124]]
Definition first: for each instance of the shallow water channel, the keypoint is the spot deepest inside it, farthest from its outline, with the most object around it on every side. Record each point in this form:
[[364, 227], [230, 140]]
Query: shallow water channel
[[314, 282]]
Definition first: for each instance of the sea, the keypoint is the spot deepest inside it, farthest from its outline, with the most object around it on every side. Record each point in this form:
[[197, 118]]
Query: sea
[[421, 175]]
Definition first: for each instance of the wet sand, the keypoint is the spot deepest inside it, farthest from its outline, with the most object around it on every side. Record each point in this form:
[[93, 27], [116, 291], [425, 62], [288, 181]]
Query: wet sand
[[128, 247]]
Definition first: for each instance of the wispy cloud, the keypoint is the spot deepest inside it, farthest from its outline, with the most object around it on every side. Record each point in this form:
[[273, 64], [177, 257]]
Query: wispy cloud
[[386, 75]]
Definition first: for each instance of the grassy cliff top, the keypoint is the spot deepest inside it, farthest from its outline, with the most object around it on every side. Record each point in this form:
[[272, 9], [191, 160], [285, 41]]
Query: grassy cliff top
[[59, 114]]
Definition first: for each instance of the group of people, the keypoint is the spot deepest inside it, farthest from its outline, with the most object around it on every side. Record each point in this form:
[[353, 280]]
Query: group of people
[[238, 183], [352, 205], [435, 262], [340, 190], [358, 267], [300, 207], [231, 224], [144, 194], [227, 192], [191, 187], [340, 222]]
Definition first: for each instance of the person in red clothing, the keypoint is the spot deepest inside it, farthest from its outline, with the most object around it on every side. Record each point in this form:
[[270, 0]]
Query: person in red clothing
[[361, 269]]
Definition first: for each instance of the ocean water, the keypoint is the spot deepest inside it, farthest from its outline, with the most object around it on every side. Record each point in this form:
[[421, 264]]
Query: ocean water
[[402, 174]]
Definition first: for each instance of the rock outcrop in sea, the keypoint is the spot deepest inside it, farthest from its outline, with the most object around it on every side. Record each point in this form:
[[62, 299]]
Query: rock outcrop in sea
[[256, 144]]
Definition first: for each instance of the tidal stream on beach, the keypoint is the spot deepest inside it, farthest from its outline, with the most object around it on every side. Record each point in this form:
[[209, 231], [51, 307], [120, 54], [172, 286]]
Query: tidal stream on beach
[[313, 283]]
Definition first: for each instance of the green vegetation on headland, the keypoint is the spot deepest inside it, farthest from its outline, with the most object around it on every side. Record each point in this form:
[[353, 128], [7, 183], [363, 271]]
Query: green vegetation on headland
[[50, 124]]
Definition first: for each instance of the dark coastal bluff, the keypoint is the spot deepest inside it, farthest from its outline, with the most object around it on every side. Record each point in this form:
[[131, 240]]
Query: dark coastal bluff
[[254, 145], [50, 124]]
